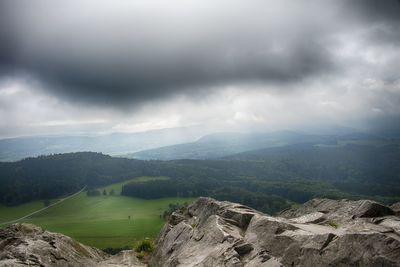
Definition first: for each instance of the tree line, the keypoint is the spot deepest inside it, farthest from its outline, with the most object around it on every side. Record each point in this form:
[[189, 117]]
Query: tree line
[[267, 179]]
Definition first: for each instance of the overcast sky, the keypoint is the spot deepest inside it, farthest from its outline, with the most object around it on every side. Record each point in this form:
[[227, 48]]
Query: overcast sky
[[93, 66]]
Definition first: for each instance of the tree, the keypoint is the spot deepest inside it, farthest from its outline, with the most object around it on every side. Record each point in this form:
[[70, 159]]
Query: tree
[[46, 202], [104, 192], [112, 192], [93, 193]]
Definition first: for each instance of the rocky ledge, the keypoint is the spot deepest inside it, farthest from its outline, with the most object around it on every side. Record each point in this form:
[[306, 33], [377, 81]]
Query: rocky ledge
[[29, 245], [322, 232]]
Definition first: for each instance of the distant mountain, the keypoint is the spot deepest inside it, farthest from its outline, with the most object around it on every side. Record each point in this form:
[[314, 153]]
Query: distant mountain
[[352, 155], [168, 144], [223, 144], [114, 144]]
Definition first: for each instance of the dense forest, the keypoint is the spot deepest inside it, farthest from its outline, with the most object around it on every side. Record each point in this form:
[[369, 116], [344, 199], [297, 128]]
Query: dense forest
[[56, 175], [268, 179]]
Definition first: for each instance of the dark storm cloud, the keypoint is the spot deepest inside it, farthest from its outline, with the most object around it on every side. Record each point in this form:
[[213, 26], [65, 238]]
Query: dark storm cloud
[[380, 18], [163, 75], [119, 56], [7, 51], [129, 51], [376, 10]]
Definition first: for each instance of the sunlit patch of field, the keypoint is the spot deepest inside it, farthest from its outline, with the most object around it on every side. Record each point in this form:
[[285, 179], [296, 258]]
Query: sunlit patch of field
[[101, 221]]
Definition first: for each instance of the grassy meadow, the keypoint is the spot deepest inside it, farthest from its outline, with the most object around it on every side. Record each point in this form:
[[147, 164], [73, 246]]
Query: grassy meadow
[[101, 221]]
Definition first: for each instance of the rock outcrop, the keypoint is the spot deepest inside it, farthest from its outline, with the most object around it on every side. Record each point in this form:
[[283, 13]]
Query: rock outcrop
[[320, 233], [29, 245], [396, 208]]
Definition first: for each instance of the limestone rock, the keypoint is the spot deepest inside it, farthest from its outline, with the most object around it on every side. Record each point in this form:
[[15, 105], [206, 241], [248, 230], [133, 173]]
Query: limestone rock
[[396, 208], [340, 210], [320, 233], [29, 245], [125, 258]]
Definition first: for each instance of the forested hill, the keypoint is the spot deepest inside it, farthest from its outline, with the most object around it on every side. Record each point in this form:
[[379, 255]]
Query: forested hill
[[218, 145], [13, 149], [360, 169], [267, 180], [52, 176], [222, 144], [378, 164]]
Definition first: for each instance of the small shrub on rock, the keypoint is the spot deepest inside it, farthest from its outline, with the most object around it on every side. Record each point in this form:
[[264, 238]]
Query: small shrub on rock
[[145, 246]]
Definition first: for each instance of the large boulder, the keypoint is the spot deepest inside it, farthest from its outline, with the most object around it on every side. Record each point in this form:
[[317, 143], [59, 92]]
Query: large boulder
[[321, 233], [341, 210], [29, 245]]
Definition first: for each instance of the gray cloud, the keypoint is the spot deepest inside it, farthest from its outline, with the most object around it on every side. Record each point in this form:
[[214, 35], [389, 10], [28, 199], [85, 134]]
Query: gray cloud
[[334, 60], [129, 52], [376, 10], [7, 47]]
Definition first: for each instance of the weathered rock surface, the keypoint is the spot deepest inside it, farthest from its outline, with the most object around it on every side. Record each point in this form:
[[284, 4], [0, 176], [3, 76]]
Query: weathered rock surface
[[320, 233], [125, 258], [341, 210], [29, 245], [396, 208]]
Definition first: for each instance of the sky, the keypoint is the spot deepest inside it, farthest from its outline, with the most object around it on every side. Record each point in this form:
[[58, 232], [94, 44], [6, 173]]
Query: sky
[[96, 66]]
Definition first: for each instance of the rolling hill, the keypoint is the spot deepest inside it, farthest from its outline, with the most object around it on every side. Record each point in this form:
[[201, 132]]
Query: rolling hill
[[222, 144], [12, 149]]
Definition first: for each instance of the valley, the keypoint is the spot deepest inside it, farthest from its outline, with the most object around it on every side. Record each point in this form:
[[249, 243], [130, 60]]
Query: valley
[[125, 199], [111, 221]]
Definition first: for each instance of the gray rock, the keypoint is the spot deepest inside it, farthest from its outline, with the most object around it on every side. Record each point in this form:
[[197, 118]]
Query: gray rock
[[340, 210], [314, 217], [320, 233], [29, 245], [176, 218], [396, 208], [126, 258], [243, 249], [371, 209]]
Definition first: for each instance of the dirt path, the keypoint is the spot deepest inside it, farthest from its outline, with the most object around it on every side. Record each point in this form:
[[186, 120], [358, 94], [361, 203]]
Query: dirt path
[[42, 209]]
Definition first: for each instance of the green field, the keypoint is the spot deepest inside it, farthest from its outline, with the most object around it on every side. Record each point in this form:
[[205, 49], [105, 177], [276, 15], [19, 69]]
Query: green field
[[101, 221]]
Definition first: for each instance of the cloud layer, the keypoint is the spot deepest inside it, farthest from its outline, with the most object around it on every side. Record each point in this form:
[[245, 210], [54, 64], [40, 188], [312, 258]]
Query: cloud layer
[[124, 54]]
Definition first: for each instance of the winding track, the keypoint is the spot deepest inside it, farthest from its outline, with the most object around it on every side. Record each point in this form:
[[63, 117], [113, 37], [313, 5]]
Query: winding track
[[42, 209]]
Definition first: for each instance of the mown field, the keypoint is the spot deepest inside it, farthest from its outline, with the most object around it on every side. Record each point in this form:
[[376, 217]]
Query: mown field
[[101, 221]]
